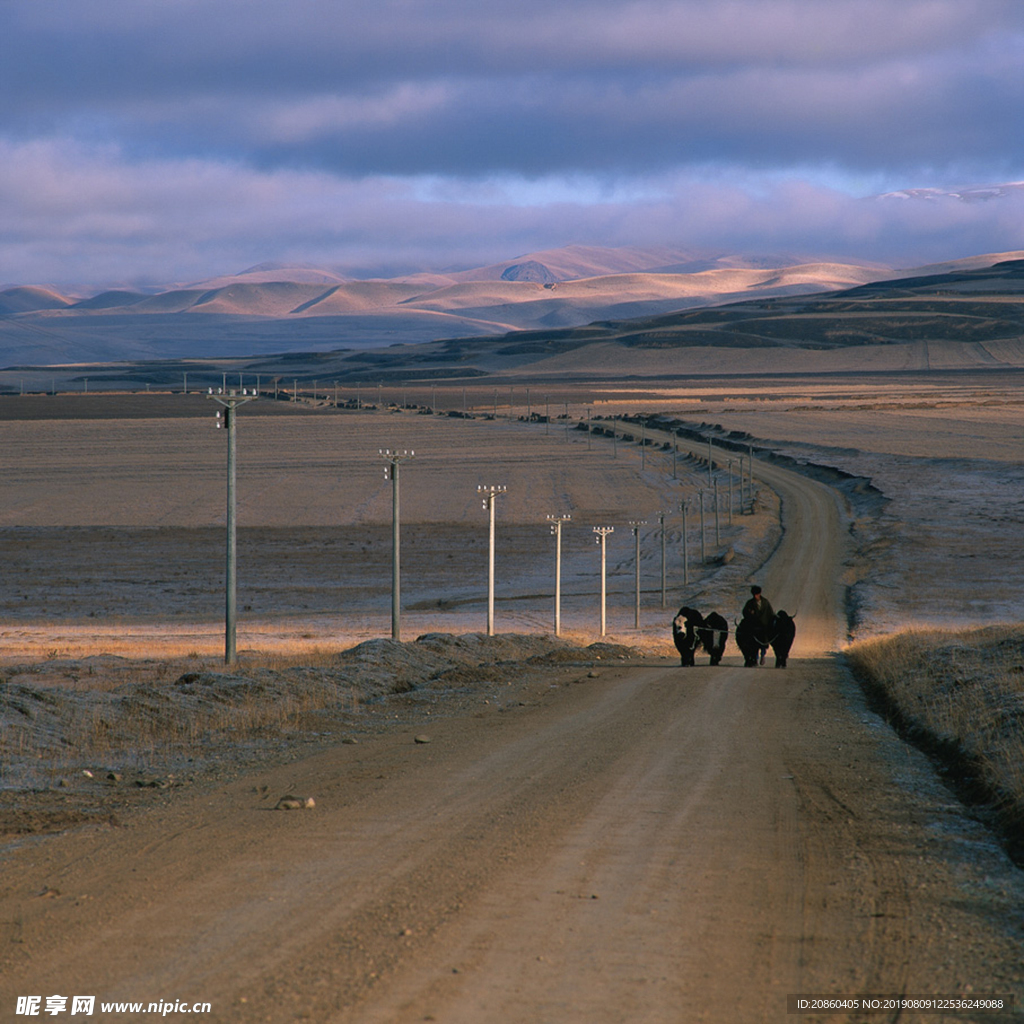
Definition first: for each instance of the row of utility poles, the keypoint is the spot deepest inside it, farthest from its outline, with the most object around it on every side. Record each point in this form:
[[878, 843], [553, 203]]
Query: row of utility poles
[[230, 400]]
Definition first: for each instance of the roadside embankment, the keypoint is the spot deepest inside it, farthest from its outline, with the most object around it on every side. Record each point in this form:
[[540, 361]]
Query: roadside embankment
[[81, 739], [960, 697]]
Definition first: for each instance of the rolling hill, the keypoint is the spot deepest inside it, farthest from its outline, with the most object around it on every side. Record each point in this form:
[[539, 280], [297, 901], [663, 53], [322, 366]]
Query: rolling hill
[[840, 316], [961, 319], [278, 308]]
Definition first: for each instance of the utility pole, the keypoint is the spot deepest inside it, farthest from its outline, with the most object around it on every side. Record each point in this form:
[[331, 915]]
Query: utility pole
[[750, 478], [703, 547], [661, 523], [490, 494], [602, 534], [730, 492], [394, 460], [556, 523], [226, 419], [718, 531], [635, 526], [686, 553]]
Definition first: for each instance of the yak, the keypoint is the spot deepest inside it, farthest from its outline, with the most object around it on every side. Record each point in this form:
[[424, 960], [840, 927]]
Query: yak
[[749, 641], [783, 633], [714, 636], [686, 633]]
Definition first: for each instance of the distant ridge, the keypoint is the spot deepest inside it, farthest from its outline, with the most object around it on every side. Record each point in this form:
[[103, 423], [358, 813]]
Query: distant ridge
[[110, 300], [277, 308], [263, 273], [977, 312], [27, 298]]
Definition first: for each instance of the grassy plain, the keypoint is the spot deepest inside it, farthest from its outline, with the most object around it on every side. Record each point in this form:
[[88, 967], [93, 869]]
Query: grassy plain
[[113, 528]]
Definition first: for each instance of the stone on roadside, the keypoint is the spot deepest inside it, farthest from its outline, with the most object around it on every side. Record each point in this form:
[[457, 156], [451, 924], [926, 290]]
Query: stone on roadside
[[295, 803]]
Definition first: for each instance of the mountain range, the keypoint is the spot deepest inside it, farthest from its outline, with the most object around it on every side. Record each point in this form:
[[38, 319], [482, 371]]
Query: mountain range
[[274, 308]]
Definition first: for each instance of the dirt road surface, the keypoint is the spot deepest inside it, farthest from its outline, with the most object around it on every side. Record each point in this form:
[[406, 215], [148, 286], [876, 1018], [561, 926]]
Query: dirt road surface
[[633, 844]]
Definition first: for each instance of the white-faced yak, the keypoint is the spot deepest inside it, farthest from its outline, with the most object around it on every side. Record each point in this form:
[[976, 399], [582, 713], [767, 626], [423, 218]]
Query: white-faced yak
[[783, 634], [714, 636], [686, 633]]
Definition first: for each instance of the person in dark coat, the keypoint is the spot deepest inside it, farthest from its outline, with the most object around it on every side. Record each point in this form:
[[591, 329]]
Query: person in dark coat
[[760, 611]]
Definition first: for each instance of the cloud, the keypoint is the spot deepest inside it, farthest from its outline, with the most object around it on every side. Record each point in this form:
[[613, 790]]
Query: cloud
[[77, 214], [468, 88], [315, 116], [179, 140]]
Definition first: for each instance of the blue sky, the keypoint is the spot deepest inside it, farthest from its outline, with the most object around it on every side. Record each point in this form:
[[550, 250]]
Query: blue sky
[[160, 141]]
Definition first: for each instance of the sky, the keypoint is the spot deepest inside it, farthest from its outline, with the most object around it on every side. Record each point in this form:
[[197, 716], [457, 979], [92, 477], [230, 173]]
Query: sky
[[158, 142]]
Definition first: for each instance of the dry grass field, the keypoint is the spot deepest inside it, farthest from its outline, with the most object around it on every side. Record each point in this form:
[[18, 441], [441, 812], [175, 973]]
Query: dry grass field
[[112, 521], [113, 528], [961, 695]]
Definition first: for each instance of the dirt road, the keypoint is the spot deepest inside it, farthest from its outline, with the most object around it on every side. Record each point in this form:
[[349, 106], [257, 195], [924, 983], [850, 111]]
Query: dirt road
[[636, 844]]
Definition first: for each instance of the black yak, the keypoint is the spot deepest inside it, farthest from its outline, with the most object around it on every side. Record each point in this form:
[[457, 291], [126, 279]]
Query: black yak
[[714, 636], [783, 633], [685, 633], [749, 640]]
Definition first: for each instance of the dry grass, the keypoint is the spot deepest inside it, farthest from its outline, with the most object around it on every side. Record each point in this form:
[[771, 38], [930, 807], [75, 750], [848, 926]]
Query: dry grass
[[120, 714], [961, 695], [58, 718]]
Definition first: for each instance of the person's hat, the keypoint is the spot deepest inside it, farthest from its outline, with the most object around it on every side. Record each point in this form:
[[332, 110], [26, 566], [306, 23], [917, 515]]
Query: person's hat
[[755, 589]]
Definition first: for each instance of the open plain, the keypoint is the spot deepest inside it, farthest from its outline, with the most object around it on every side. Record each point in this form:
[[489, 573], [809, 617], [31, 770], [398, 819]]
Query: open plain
[[591, 833]]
